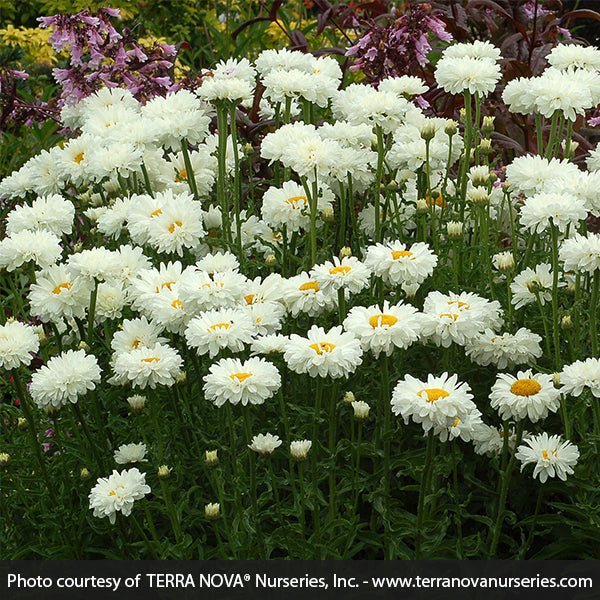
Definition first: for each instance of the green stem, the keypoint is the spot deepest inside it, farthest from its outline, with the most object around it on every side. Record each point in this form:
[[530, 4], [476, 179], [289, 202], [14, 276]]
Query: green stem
[[551, 139], [504, 491], [423, 492], [190, 177], [555, 320], [171, 511], [92, 312], [147, 184], [378, 180], [236, 187], [594, 312]]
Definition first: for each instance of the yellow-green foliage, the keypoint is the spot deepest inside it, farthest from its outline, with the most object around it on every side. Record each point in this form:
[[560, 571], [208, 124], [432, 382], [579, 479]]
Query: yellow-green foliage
[[33, 42]]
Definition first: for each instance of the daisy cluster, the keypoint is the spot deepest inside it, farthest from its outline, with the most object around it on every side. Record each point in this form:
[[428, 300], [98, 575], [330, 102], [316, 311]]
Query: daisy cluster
[[131, 251]]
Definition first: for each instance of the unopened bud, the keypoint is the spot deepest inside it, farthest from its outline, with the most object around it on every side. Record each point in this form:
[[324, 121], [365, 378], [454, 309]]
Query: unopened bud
[[181, 377], [22, 423], [428, 130], [4, 459], [462, 115], [349, 397], [84, 346], [137, 403], [566, 322], [77, 247], [556, 380], [361, 410], [479, 196], [422, 207], [488, 125], [327, 214], [455, 229], [85, 473], [451, 127], [345, 252], [212, 510], [479, 176], [271, 260], [299, 449], [211, 458], [164, 472], [504, 261], [485, 146]]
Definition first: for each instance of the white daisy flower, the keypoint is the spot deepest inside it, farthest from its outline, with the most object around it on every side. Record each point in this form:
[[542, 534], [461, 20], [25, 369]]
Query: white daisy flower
[[50, 213], [58, 294], [64, 379], [95, 263], [533, 174], [41, 247], [111, 298], [491, 439], [504, 350], [526, 395], [551, 456], [581, 253], [147, 367], [303, 294], [117, 493], [565, 56], [218, 262], [463, 427], [542, 209], [265, 443], [475, 74], [111, 220], [348, 273], [214, 330], [384, 329], [527, 281], [18, 342], [267, 317], [231, 380], [458, 317], [130, 453], [322, 354], [299, 449], [434, 403], [579, 375], [200, 291], [178, 226], [398, 265], [269, 344], [136, 333]]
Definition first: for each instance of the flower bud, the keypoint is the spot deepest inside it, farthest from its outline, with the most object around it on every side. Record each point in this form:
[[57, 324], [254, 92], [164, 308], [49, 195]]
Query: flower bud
[[4, 459], [485, 146], [428, 130], [137, 403], [271, 260], [479, 176], [84, 346], [462, 115], [455, 229], [85, 473], [345, 252], [479, 196], [422, 207], [451, 127], [22, 423], [211, 458], [299, 449], [164, 472], [361, 410], [488, 125], [566, 322], [349, 397], [556, 380], [504, 261], [327, 214], [212, 511], [181, 377]]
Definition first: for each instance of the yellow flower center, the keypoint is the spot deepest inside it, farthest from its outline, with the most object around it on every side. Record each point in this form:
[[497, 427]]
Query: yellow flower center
[[545, 454], [381, 320], [322, 347], [459, 304], [309, 285], [181, 176], [241, 377], [79, 158], [295, 201], [172, 227], [525, 387], [249, 299], [449, 315], [151, 359], [219, 326], [343, 270], [456, 422], [136, 344], [434, 394], [157, 212], [396, 254], [177, 303], [63, 286], [166, 284]]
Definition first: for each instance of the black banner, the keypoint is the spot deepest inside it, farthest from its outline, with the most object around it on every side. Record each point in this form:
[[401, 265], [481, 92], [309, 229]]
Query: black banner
[[249, 580]]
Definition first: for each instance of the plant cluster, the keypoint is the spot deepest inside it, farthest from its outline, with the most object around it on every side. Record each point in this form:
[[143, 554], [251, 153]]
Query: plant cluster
[[279, 314]]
